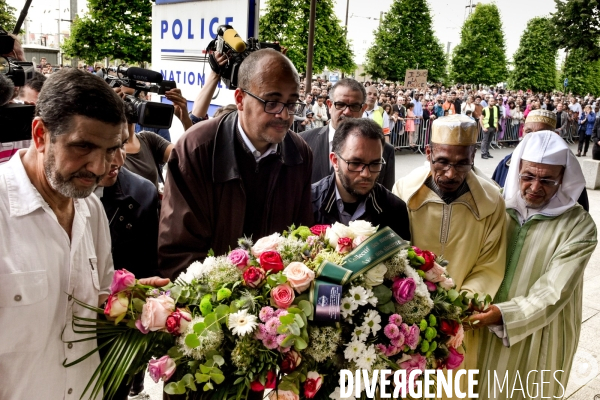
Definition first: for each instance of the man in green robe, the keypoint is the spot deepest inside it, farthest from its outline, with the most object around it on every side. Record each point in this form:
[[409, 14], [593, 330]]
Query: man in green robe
[[532, 329]]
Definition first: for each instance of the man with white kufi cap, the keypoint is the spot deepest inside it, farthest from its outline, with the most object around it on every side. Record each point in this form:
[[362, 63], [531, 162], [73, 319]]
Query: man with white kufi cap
[[457, 214], [535, 320]]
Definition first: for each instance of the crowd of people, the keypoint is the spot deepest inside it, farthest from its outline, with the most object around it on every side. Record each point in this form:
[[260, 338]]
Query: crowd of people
[[93, 184]]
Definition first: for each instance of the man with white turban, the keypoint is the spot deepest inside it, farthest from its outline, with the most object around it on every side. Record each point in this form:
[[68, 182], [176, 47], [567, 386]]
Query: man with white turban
[[535, 320]]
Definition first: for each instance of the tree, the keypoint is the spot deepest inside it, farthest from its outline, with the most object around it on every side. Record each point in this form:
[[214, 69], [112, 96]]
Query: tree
[[114, 29], [583, 74], [405, 40], [286, 21], [480, 57], [7, 16], [577, 26], [535, 60]]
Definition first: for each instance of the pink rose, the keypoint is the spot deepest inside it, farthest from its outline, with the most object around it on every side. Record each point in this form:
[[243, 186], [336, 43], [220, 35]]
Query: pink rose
[[404, 290], [163, 368], [319, 230], [299, 276], [117, 305], [178, 321], [436, 273], [267, 243], [283, 296], [156, 311], [358, 241], [454, 359], [253, 277], [413, 336], [456, 340], [430, 286], [416, 362], [239, 258], [447, 283], [283, 395], [122, 280], [312, 385], [344, 245]]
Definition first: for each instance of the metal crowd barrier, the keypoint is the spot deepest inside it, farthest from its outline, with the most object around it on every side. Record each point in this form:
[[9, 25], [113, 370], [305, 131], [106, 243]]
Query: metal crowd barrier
[[400, 139]]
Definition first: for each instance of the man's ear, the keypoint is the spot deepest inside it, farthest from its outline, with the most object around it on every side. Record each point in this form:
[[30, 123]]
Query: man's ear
[[334, 161], [428, 152], [238, 96], [40, 134]]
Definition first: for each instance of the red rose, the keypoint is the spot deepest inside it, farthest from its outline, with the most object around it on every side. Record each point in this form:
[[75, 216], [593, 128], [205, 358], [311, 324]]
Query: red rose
[[178, 321], [291, 361], [313, 384], [449, 327], [256, 386], [253, 277], [319, 229], [428, 256], [271, 261]]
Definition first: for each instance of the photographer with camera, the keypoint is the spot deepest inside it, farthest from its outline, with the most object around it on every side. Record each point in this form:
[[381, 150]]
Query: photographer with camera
[[245, 173]]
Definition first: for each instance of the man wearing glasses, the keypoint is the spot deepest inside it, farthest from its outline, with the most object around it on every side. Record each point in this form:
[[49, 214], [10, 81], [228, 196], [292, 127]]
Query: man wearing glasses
[[352, 191], [456, 214], [347, 100], [244, 174], [535, 320]]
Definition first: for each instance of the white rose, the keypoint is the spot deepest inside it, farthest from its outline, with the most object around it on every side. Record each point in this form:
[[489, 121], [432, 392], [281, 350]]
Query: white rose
[[374, 276], [447, 283], [337, 231], [362, 228], [267, 243]]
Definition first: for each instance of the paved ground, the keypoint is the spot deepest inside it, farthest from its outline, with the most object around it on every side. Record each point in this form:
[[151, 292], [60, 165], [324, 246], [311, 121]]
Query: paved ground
[[584, 383]]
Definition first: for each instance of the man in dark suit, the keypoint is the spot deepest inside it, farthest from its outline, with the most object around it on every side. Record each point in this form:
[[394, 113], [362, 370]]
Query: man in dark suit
[[347, 100]]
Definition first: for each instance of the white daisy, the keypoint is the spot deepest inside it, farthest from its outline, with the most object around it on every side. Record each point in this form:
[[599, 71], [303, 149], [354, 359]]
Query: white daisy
[[336, 395], [359, 294], [372, 320], [367, 358], [353, 350], [348, 306], [242, 323], [360, 334]]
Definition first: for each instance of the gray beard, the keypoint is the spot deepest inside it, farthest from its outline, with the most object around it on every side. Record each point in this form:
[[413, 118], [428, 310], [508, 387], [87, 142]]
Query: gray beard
[[63, 186]]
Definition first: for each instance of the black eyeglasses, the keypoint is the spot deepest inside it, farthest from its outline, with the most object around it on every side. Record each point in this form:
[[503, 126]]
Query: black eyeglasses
[[360, 167], [443, 165], [543, 181], [276, 107], [340, 105]]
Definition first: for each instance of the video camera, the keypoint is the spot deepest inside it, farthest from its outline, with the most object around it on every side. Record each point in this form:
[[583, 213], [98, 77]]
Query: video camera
[[15, 119], [231, 45], [148, 114]]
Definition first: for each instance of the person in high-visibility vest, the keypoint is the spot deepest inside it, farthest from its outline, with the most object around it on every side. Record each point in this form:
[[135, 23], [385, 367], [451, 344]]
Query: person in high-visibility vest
[[377, 113]]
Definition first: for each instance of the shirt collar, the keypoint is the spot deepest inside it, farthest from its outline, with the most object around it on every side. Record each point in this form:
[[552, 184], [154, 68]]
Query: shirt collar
[[257, 156], [23, 197], [331, 133], [345, 217]]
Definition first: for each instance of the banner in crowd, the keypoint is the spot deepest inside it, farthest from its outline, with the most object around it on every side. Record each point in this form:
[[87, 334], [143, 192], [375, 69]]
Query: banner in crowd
[[415, 78]]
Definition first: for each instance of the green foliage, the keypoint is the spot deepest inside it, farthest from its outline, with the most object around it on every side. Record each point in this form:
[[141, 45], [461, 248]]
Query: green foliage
[[405, 40], [7, 16], [583, 74], [480, 56], [286, 21], [575, 25], [119, 29], [535, 60]]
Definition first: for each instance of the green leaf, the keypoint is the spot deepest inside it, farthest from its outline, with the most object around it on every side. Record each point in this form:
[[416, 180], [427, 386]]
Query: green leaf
[[300, 344], [138, 304], [221, 311], [199, 327], [205, 369], [306, 307], [299, 321], [218, 360], [294, 329], [174, 388], [218, 378], [201, 378], [192, 341], [287, 319], [382, 293], [288, 341], [452, 294], [208, 386], [386, 308]]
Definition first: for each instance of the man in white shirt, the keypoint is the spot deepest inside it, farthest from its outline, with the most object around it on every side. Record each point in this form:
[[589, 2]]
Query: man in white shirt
[[320, 111], [55, 237]]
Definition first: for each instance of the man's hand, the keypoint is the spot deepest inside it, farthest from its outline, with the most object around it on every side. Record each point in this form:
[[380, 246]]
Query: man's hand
[[491, 316], [180, 104], [155, 281]]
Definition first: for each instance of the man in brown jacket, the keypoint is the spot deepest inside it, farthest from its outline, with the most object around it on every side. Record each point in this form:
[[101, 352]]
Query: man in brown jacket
[[245, 174]]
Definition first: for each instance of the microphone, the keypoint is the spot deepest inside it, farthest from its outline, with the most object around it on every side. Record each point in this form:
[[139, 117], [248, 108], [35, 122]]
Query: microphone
[[231, 37], [144, 75], [7, 89]]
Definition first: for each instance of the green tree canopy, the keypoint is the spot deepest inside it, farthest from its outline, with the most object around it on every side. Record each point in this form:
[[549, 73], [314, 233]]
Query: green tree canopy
[[115, 29], [405, 40], [286, 21], [535, 60], [583, 73], [576, 25], [480, 57], [7, 16]]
